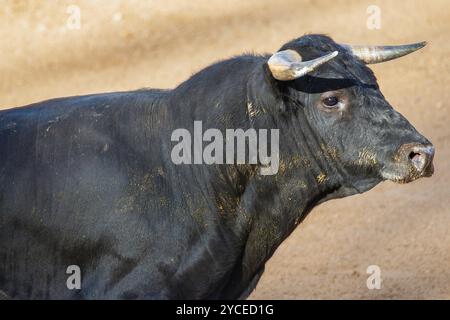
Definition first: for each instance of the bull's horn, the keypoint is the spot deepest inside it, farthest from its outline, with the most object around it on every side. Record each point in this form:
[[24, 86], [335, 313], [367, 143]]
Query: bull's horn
[[377, 54], [288, 65]]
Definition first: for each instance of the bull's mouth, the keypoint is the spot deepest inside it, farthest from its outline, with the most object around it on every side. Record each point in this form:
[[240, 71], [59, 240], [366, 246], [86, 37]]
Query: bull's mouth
[[407, 174]]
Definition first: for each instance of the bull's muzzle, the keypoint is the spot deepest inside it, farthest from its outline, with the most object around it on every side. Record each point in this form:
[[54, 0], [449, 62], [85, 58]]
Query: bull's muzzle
[[419, 158]]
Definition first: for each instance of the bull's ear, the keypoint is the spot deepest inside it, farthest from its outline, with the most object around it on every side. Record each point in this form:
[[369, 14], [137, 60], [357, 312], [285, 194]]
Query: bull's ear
[[288, 65]]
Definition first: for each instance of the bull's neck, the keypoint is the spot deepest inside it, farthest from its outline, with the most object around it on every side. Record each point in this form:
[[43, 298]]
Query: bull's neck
[[309, 173], [273, 205]]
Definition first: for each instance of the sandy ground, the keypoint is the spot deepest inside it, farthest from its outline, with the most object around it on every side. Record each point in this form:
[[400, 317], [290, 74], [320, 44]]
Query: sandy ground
[[120, 45]]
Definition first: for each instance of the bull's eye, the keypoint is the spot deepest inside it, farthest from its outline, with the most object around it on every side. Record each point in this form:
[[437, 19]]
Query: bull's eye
[[330, 101]]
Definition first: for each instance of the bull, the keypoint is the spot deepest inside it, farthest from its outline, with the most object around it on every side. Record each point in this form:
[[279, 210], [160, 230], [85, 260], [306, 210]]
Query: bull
[[89, 182]]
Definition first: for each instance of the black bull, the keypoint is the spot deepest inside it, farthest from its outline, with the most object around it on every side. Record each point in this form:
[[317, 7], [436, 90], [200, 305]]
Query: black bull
[[88, 181]]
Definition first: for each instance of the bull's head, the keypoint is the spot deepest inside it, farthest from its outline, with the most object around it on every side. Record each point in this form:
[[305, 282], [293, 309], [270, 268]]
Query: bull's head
[[339, 98]]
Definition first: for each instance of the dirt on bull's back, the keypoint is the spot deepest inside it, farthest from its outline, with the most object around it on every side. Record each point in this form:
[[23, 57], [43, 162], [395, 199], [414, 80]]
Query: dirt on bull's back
[[46, 52]]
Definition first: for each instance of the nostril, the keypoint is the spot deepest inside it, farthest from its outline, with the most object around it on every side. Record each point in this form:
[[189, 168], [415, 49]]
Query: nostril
[[413, 154], [418, 160]]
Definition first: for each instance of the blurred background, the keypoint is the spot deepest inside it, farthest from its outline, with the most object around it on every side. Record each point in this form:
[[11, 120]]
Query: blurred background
[[60, 48]]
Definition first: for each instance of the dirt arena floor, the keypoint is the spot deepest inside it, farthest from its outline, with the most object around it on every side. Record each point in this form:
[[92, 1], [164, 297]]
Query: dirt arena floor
[[122, 45]]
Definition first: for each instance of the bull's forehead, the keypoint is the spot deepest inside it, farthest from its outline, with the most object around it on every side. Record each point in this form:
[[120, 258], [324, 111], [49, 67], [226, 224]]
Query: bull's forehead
[[337, 76], [347, 77], [347, 66]]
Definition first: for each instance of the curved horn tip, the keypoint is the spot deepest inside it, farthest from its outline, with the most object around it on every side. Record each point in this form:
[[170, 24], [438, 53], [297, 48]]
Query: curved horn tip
[[418, 45], [333, 54], [423, 43]]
